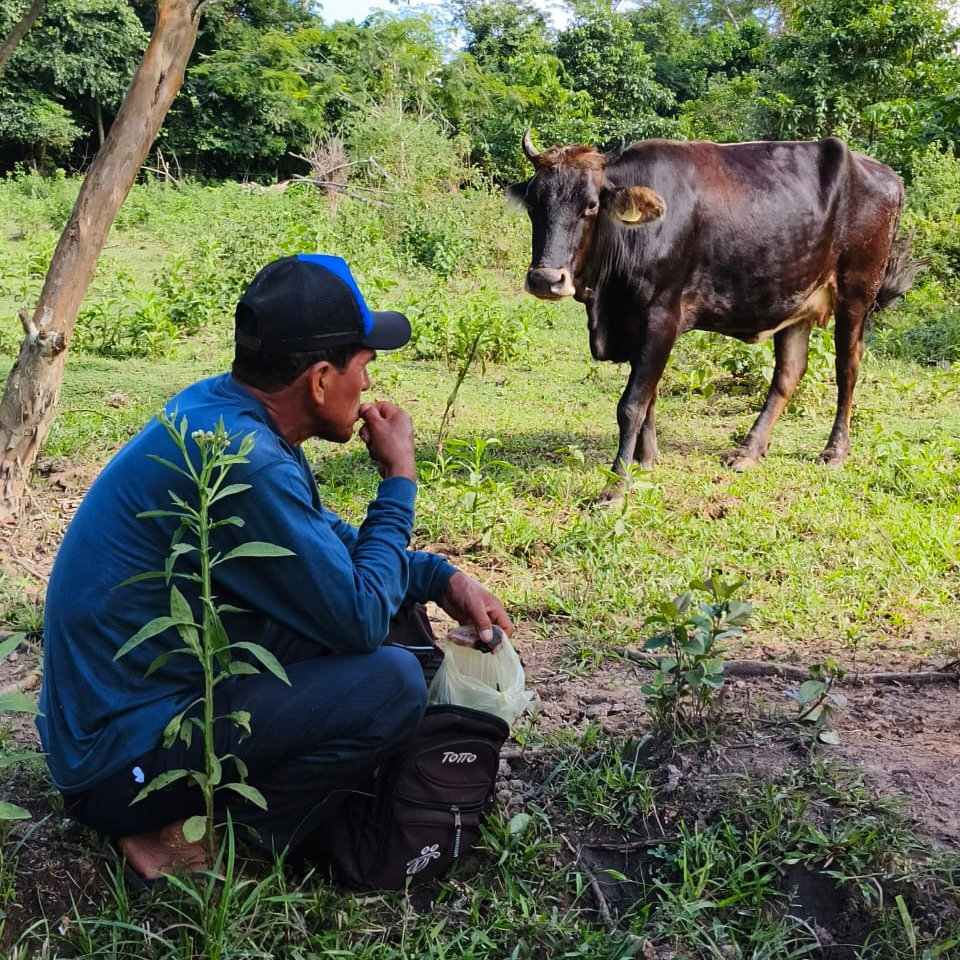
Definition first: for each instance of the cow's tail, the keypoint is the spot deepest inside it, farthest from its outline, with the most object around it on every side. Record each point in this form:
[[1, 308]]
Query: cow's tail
[[901, 270]]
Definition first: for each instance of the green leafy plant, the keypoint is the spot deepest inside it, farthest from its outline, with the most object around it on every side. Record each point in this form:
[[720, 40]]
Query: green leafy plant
[[14, 702], [207, 640], [462, 465], [691, 672], [816, 702], [917, 468]]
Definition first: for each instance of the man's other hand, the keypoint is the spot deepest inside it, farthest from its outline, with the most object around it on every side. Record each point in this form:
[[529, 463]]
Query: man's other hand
[[468, 602], [388, 433]]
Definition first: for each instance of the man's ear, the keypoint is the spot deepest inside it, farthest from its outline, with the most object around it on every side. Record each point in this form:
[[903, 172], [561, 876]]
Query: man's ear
[[517, 196], [315, 377], [633, 205]]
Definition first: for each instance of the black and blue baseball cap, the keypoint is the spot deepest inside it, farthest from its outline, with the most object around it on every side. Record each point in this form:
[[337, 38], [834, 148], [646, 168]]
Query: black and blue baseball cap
[[310, 302]]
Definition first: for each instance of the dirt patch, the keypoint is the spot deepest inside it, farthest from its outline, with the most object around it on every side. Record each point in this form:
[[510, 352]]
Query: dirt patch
[[29, 543], [905, 740]]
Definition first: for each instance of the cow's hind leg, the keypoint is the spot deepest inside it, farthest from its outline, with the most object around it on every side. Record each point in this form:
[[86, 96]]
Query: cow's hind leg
[[848, 337], [790, 353], [645, 452]]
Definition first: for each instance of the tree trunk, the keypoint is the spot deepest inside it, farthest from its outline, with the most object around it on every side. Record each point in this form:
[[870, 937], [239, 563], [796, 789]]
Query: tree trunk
[[20, 31], [33, 387]]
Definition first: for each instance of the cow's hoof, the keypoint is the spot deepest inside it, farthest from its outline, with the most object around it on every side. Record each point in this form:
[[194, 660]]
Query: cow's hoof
[[611, 494], [740, 460], [831, 457]]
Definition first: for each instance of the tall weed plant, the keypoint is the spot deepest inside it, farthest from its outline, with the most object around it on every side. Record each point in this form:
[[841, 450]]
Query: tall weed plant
[[194, 537]]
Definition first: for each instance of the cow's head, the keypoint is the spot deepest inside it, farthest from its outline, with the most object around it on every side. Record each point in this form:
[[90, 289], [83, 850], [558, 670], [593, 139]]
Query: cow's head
[[568, 191]]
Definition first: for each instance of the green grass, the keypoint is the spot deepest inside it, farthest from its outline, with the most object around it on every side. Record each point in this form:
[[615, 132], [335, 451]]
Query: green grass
[[859, 558], [730, 877]]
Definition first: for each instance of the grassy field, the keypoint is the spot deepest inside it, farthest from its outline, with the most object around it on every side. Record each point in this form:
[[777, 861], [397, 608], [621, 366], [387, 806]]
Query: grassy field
[[859, 563]]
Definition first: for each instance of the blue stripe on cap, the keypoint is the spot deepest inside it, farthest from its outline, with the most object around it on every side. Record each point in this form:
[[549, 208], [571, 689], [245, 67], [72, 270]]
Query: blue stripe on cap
[[338, 267]]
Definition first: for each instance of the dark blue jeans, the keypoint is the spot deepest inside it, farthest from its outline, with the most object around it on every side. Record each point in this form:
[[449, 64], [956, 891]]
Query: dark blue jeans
[[311, 742]]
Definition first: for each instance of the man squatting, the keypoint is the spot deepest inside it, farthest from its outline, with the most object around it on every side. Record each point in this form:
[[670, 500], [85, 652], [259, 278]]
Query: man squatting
[[331, 613]]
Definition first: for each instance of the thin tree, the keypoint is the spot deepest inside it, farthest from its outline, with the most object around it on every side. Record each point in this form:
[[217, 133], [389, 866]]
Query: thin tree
[[33, 387], [19, 31]]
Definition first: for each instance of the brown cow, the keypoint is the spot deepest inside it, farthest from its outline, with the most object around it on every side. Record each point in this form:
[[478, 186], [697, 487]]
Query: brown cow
[[752, 240]]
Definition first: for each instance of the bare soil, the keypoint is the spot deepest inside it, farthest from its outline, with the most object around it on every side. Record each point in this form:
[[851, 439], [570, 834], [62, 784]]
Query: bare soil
[[903, 739]]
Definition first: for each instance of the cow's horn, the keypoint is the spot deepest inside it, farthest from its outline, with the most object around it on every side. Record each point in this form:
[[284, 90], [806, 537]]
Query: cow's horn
[[528, 147]]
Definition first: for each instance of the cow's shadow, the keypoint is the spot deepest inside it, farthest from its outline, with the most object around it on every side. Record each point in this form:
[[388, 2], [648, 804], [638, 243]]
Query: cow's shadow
[[525, 458]]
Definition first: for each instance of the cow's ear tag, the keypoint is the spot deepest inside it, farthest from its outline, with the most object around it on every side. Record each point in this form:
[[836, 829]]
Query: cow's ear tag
[[633, 205]]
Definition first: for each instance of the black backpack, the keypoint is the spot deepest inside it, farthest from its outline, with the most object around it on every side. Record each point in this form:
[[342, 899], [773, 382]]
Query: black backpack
[[424, 808]]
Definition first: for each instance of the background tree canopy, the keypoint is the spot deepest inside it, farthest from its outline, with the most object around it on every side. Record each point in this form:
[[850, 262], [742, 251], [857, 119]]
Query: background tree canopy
[[268, 78]]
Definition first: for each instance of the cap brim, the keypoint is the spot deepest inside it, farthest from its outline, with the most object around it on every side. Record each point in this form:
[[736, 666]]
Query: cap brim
[[390, 331]]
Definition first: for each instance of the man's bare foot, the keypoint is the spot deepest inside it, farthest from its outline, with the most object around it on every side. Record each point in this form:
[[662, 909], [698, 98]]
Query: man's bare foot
[[163, 851]]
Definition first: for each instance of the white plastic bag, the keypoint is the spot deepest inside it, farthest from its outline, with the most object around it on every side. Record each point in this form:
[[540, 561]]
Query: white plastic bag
[[492, 682]]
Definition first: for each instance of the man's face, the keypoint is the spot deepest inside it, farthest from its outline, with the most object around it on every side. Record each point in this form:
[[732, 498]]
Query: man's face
[[340, 409]]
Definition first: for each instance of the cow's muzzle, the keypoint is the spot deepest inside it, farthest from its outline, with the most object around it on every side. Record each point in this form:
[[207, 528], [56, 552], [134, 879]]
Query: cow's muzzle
[[549, 284]]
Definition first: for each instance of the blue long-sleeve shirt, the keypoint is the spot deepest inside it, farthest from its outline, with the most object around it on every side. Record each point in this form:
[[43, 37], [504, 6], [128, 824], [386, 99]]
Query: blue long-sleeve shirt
[[339, 588]]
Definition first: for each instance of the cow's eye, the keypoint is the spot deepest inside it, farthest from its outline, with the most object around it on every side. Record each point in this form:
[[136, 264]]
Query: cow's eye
[[590, 210]]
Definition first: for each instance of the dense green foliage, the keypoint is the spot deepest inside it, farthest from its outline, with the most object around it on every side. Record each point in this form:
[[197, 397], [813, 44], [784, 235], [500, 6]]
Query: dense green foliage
[[269, 79]]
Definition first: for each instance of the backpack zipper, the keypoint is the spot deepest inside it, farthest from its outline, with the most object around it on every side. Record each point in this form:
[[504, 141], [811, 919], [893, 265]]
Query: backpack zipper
[[456, 840]]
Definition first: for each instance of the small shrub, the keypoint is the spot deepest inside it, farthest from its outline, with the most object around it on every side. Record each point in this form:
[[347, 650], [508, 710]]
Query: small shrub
[[413, 151], [815, 700], [691, 672], [464, 467], [436, 246], [124, 322]]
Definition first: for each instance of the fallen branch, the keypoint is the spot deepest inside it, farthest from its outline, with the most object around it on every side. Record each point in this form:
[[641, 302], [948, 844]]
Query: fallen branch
[[526, 752], [166, 174], [748, 669], [352, 163], [603, 907], [28, 566], [338, 188], [634, 847]]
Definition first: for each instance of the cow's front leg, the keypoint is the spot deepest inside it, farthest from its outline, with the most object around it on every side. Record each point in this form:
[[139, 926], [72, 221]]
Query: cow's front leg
[[790, 347], [638, 435]]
